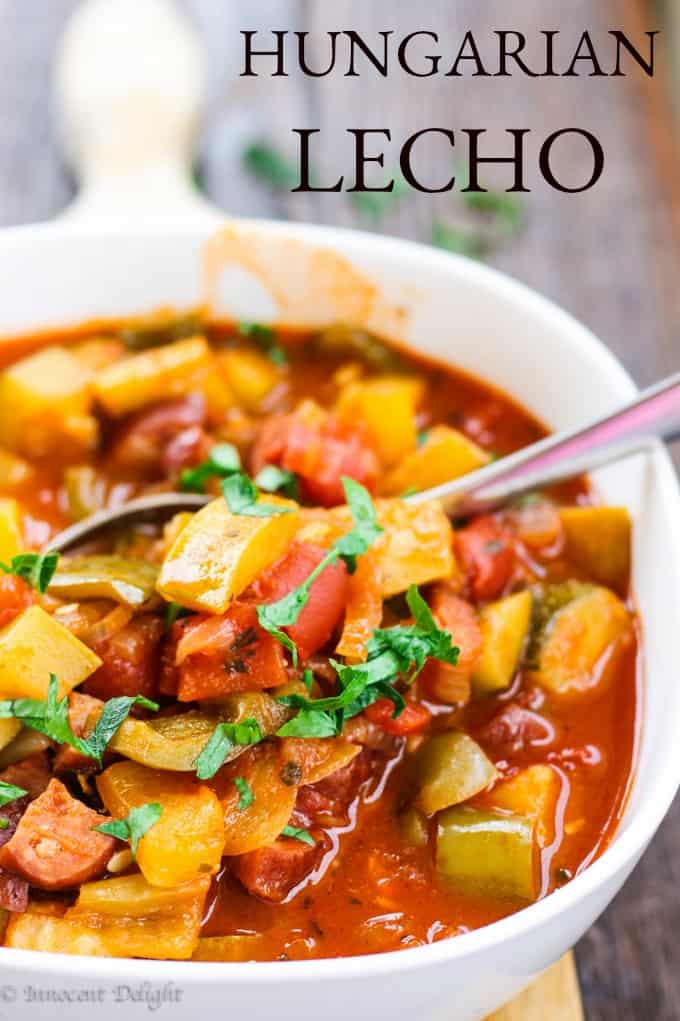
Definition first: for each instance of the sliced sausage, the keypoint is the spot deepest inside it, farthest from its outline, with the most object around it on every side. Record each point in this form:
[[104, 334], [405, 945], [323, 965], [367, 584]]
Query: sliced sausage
[[270, 873], [328, 801], [13, 892], [31, 774], [55, 845]]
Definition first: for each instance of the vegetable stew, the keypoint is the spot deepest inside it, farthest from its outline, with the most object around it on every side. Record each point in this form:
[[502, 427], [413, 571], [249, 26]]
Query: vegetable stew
[[310, 719]]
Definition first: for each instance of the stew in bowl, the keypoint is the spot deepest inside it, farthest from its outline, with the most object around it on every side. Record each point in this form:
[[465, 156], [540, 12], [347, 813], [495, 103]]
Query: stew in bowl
[[309, 720]]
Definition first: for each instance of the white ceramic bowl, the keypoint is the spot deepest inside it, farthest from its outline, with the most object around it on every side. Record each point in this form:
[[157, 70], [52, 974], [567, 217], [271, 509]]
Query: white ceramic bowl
[[470, 316]]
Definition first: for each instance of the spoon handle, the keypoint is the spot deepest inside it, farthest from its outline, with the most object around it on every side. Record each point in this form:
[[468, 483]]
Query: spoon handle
[[655, 413]]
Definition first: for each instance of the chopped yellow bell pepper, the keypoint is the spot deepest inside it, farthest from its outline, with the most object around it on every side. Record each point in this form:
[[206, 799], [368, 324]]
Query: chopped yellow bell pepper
[[249, 375], [218, 554], [187, 839], [34, 646], [8, 731], [104, 576], [127, 917], [532, 793], [597, 539], [262, 821], [247, 946], [386, 407], [504, 626], [45, 404], [444, 454], [153, 375], [576, 639], [416, 546], [11, 533]]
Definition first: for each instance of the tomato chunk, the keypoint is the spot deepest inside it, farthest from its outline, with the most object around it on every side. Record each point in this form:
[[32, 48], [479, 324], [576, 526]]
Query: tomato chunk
[[15, 595], [327, 596], [444, 681], [217, 656], [129, 660], [486, 554], [412, 719], [55, 846], [320, 453]]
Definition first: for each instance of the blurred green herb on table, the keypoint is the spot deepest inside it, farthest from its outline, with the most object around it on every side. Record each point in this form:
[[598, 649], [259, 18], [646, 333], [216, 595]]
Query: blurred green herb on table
[[493, 217]]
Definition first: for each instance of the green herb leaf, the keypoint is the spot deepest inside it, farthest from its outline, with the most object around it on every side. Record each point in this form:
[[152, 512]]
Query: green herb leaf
[[222, 740], [138, 822], [374, 205], [505, 208], [298, 834], [392, 653], [270, 166], [241, 495], [35, 568], [309, 723], [223, 461], [114, 713], [173, 612], [460, 241], [246, 792], [10, 792], [51, 718], [307, 679], [273, 480], [265, 338]]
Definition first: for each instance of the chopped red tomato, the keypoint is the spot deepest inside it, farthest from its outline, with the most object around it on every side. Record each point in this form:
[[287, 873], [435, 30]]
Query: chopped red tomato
[[129, 661], [217, 656], [486, 555], [327, 596], [412, 719], [444, 681], [320, 453], [15, 595]]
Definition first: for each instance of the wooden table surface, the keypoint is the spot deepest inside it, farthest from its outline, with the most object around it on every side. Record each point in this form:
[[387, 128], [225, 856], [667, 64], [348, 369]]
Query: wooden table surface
[[610, 256]]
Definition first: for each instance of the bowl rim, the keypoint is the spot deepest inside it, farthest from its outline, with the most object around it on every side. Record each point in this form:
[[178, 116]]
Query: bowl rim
[[628, 844]]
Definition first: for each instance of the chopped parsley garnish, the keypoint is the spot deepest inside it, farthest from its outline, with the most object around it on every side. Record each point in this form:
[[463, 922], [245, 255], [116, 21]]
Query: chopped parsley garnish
[[285, 612], [278, 480], [51, 718], [222, 740], [245, 790], [295, 833], [173, 612], [223, 461], [394, 653], [262, 160], [242, 495], [265, 338], [10, 792], [37, 569], [138, 822]]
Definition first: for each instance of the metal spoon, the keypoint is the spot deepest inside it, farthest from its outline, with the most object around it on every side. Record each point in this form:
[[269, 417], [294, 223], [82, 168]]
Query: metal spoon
[[630, 430]]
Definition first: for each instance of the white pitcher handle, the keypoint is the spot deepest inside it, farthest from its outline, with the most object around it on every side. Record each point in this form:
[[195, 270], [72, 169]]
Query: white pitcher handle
[[129, 88]]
